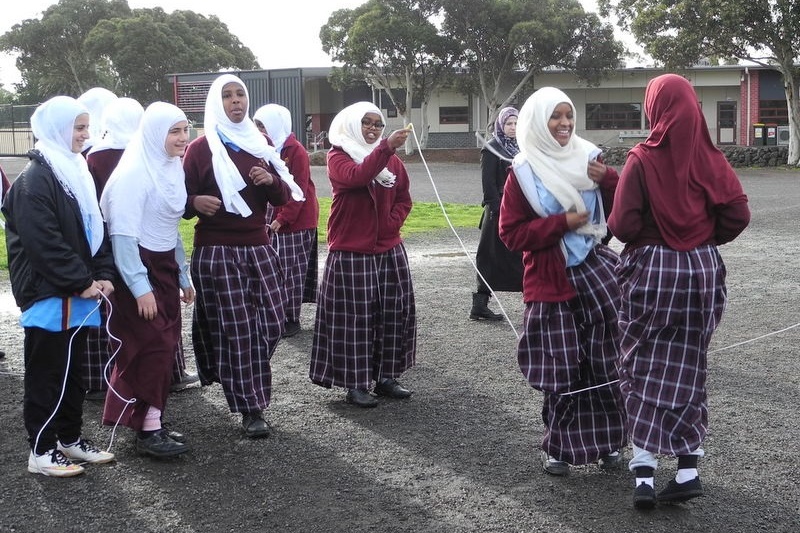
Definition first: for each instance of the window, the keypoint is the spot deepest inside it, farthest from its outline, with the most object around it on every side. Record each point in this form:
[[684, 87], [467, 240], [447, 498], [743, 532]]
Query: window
[[773, 111], [613, 116], [454, 115]]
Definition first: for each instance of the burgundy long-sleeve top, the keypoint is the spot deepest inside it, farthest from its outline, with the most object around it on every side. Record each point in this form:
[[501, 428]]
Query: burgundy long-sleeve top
[[224, 228], [365, 216], [521, 229], [101, 164], [293, 215]]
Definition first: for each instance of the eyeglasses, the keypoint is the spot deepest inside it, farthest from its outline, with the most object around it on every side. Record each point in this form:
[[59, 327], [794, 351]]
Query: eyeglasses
[[366, 123]]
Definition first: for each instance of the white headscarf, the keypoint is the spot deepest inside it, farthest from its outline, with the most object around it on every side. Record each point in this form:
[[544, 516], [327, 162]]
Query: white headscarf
[[120, 119], [562, 169], [53, 125], [345, 132], [146, 193], [277, 120], [246, 136], [96, 100]]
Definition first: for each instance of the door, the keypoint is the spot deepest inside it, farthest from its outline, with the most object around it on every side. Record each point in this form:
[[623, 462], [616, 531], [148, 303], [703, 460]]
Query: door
[[726, 122]]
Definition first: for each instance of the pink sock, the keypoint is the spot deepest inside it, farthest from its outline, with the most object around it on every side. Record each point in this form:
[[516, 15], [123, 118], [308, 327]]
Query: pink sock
[[152, 420]]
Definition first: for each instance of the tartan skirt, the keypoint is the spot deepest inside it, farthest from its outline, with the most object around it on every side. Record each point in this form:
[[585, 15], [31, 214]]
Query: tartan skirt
[[572, 345], [672, 302], [366, 325], [295, 251], [238, 320]]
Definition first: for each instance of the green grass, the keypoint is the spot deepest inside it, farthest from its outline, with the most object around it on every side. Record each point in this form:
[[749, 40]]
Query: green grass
[[425, 216]]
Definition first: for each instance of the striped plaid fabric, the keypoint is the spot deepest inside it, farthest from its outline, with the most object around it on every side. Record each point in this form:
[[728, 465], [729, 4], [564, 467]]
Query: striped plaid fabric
[[572, 345], [672, 303], [294, 252], [238, 320], [366, 326], [98, 352], [310, 284]]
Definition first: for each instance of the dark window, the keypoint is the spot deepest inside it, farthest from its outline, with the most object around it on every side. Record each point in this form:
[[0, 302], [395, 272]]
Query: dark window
[[773, 111], [454, 115], [613, 116]]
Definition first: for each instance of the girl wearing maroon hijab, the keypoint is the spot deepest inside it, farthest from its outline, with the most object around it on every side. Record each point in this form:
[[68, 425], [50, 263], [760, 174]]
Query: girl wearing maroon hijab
[[677, 200]]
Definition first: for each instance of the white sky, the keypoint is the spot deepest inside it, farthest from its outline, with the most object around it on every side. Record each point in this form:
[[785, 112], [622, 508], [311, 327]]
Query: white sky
[[280, 34]]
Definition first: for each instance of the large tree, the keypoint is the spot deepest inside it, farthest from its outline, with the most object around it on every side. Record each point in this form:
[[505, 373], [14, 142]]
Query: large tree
[[393, 46], [504, 43], [678, 33]]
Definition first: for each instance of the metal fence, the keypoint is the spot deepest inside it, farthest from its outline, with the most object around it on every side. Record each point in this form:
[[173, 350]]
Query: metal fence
[[16, 137]]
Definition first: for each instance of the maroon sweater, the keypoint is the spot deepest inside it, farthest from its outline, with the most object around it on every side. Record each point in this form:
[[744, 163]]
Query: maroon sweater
[[101, 164], [224, 228], [366, 217], [298, 216]]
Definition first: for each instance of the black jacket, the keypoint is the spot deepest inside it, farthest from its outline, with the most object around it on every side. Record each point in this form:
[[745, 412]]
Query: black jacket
[[494, 172], [48, 254]]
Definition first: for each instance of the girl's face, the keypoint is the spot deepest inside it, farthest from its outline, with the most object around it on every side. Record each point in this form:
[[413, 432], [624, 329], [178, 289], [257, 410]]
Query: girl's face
[[372, 127], [260, 126], [234, 101], [561, 123], [510, 127], [177, 138], [80, 132]]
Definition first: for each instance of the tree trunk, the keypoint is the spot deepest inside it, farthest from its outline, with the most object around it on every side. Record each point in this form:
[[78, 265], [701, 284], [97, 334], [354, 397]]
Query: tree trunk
[[791, 84]]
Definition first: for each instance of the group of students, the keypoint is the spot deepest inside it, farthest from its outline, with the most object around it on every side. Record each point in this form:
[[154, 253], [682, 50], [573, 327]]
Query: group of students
[[617, 343], [77, 246]]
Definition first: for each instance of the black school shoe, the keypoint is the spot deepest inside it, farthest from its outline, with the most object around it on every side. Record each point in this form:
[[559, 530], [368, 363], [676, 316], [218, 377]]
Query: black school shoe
[[644, 497], [391, 388], [159, 444], [681, 492]]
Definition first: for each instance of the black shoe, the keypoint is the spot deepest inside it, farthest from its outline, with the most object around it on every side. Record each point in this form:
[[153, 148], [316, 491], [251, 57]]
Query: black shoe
[[480, 308], [159, 444], [291, 328], [553, 466], [254, 425], [391, 388], [681, 492], [177, 436], [360, 398], [644, 497], [611, 461], [187, 380], [96, 395]]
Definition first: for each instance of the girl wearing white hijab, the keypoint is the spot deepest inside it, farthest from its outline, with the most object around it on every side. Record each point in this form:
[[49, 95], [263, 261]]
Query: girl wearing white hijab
[[366, 272], [295, 223], [59, 264], [232, 174], [553, 211], [143, 203], [96, 100]]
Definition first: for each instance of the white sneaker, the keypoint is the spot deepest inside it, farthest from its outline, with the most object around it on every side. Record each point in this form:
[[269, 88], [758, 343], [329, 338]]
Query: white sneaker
[[85, 451], [53, 463]]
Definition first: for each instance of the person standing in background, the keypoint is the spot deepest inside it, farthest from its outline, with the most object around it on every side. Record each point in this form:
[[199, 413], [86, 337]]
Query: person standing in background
[[677, 200], [294, 223], [499, 266], [95, 100]]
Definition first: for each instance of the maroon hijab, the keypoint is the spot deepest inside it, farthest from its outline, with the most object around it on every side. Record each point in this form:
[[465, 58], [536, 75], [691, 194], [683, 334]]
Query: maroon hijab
[[686, 175]]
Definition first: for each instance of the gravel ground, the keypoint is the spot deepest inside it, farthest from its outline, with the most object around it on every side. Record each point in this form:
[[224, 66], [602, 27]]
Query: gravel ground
[[461, 454]]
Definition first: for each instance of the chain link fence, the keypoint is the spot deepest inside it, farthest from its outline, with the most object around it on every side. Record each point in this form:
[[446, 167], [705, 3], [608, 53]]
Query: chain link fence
[[16, 137]]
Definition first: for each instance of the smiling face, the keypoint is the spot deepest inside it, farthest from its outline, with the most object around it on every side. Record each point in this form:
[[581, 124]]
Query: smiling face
[[372, 127], [80, 132], [177, 138], [561, 123], [234, 101]]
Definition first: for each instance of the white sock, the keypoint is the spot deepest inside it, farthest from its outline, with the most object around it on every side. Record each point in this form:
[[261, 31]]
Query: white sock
[[685, 474], [645, 480]]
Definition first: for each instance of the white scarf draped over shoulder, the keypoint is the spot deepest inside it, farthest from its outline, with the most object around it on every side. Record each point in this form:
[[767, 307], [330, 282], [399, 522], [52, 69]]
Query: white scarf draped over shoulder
[[345, 132], [146, 193], [246, 136], [53, 125]]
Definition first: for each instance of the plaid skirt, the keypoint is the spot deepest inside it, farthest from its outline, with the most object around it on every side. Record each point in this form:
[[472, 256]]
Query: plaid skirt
[[98, 352], [295, 250], [238, 320], [366, 325], [572, 345], [672, 303]]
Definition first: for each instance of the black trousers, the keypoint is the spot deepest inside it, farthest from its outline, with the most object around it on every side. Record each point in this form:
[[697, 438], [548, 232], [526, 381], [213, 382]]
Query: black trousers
[[52, 405]]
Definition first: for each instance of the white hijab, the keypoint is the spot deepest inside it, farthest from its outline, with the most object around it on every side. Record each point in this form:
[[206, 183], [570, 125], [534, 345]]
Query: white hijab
[[246, 136], [146, 193], [96, 100], [277, 120], [120, 119], [53, 125], [562, 169], [345, 132]]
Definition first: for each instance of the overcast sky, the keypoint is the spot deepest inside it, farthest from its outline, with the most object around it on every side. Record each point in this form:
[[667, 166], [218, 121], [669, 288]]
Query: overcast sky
[[281, 34]]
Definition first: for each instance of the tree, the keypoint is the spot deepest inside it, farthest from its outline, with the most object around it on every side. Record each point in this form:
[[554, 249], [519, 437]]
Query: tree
[[678, 33], [504, 43], [394, 47]]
